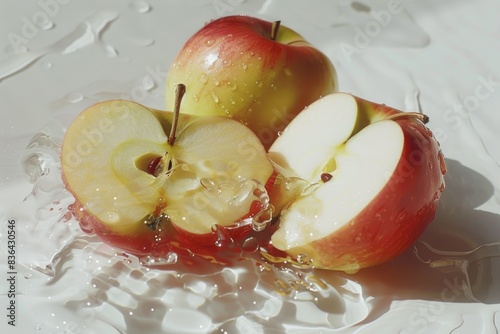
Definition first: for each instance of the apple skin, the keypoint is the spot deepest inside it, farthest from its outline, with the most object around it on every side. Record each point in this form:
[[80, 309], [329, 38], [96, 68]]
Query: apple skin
[[395, 218], [143, 241], [232, 67]]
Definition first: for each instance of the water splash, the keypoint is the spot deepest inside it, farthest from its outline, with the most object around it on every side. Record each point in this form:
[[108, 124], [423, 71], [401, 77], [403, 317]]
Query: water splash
[[87, 33], [150, 293]]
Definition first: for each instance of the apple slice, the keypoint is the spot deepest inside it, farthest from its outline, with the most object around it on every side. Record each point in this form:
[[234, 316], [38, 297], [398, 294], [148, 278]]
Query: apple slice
[[132, 182], [375, 177]]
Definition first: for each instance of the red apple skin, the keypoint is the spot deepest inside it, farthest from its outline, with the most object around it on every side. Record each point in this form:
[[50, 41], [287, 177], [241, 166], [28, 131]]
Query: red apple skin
[[232, 67], [395, 219], [143, 241]]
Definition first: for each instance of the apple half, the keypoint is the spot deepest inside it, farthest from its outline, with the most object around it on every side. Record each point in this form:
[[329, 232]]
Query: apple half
[[136, 178], [374, 177]]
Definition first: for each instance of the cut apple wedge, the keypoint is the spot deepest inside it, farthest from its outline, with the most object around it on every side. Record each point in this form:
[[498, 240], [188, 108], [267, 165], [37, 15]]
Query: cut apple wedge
[[133, 177], [374, 178]]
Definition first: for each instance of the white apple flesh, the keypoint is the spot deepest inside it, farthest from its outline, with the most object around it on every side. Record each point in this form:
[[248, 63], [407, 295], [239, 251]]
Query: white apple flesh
[[207, 174], [376, 175]]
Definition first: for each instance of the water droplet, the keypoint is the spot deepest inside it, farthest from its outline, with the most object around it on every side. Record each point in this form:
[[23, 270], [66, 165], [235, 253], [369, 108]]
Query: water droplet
[[217, 83], [110, 51], [310, 189], [209, 42], [73, 97], [303, 259], [140, 6], [250, 245], [204, 78], [148, 82], [221, 236], [244, 66], [195, 98], [293, 183], [47, 64], [442, 163], [258, 83], [215, 97], [113, 217], [262, 219], [287, 71], [210, 185], [44, 24], [227, 63], [232, 86]]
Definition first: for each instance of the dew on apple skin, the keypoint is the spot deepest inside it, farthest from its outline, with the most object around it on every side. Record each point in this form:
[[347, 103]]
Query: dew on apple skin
[[232, 86], [215, 97], [204, 78], [442, 163]]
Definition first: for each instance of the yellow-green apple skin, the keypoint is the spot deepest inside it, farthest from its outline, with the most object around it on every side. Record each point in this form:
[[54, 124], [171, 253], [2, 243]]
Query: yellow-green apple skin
[[375, 176], [205, 178], [233, 67]]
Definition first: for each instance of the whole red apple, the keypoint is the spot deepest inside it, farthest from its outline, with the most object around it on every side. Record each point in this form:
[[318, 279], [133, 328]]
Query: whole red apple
[[258, 72]]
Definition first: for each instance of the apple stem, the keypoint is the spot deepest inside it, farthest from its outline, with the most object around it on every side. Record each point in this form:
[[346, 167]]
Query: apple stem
[[405, 115], [274, 29], [179, 93]]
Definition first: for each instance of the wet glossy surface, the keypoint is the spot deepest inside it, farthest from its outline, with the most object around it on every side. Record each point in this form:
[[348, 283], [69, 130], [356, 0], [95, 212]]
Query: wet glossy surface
[[58, 57]]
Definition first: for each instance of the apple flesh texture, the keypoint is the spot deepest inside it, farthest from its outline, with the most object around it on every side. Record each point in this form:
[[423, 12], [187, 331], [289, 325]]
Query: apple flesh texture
[[232, 67], [387, 177], [207, 177]]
